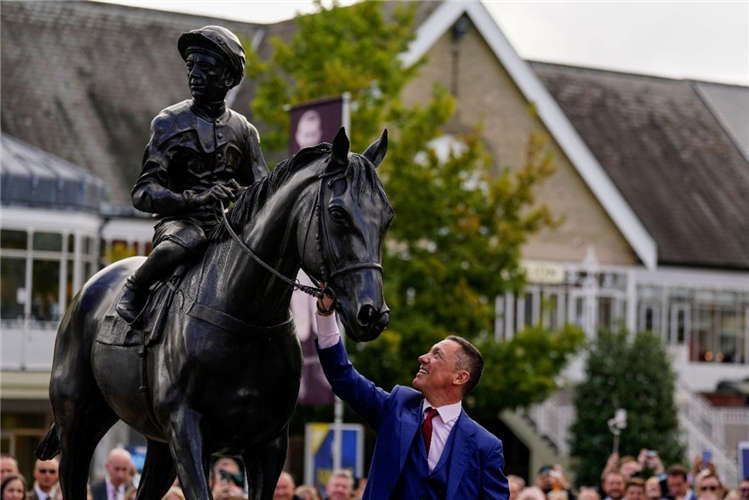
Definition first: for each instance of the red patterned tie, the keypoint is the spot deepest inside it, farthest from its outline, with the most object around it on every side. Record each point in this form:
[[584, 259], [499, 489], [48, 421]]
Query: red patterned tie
[[426, 427]]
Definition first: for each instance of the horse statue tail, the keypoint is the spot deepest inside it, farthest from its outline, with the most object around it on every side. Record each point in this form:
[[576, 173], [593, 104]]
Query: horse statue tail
[[50, 445]]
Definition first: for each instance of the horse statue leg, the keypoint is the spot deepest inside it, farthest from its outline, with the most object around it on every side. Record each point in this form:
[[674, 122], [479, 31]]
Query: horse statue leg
[[186, 442], [264, 466], [158, 472]]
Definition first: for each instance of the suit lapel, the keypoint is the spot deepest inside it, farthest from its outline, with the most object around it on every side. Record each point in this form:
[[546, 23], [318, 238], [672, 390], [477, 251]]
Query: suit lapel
[[410, 420], [464, 445]]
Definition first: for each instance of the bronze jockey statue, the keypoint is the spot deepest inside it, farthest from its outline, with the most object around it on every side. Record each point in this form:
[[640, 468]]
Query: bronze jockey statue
[[200, 153]]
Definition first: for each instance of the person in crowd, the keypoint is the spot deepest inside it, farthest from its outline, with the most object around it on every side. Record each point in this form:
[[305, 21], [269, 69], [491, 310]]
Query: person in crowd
[[131, 493], [423, 433], [613, 485], [629, 467], [649, 459], [744, 489], [8, 466], [340, 485], [653, 489], [13, 487], [676, 482], [635, 489], [115, 484], [284, 487], [587, 493], [45, 479], [174, 494], [708, 486], [532, 493], [307, 492], [359, 487], [700, 463], [227, 481], [516, 485]]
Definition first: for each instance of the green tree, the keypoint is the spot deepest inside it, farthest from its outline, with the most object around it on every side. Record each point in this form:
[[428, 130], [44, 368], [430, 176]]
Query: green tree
[[460, 222], [634, 375]]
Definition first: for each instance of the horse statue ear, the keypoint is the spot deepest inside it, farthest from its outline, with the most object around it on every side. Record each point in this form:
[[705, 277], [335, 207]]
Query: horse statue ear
[[339, 157], [376, 151]]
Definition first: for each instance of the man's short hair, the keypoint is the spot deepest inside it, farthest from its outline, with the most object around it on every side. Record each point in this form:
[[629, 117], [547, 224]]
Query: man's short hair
[[635, 481], [344, 473], [470, 360], [677, 470], [613, 472]]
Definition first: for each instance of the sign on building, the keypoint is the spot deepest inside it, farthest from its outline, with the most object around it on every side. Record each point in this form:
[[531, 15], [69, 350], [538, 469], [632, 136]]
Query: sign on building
[[318, 451]]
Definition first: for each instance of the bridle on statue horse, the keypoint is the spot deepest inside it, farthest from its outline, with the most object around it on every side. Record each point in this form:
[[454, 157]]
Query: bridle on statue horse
[[316, 291]]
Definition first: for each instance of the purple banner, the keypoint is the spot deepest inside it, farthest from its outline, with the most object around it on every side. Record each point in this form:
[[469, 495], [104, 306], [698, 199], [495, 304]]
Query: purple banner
[[315, 122], [315, 389]]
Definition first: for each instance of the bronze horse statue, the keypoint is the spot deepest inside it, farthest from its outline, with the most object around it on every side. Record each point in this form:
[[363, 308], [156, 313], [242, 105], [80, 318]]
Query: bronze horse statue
[[225, 376]]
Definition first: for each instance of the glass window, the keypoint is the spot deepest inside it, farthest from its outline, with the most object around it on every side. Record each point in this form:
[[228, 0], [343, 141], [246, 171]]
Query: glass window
[[48, 241], [12, 288], [550, 308], [16, 240], [71, 243], [45, 290], [69, 283], [730, 334], [120, 250]]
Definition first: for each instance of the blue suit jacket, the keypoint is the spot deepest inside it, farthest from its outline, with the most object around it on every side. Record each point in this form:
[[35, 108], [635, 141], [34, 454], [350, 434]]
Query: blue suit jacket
[[476, 462]]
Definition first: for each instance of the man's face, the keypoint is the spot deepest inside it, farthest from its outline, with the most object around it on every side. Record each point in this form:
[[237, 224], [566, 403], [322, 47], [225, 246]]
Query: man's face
[[45, 474], [635, 493], [653, 490], [284, 488], [227, 488], [339, 488], [118, 469], [710, 489], [677, 485], [205, 74], [514, 489], [614, 486], [629, 469], [744, 490], [437, 367], [8, 466]]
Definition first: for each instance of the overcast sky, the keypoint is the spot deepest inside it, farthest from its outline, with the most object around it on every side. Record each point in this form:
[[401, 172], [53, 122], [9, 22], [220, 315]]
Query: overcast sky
[[707, 40]]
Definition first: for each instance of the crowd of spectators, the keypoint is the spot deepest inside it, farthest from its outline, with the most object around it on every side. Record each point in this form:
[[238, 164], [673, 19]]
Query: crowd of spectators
[[226, 480], [633, 478], [622, 478]]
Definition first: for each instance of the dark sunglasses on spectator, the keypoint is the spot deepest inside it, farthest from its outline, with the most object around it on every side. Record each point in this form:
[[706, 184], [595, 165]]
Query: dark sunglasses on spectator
[[710, 488], [47, 471]]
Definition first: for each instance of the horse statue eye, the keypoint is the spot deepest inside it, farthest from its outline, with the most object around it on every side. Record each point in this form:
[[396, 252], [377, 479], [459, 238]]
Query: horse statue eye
[[338, 215]]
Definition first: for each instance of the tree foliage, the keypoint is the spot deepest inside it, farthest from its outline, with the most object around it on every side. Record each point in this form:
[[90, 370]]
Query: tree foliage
[[460, 222], [636, 376]]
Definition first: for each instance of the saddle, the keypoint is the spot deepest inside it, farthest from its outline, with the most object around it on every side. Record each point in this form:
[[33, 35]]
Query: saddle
[[147, 330]]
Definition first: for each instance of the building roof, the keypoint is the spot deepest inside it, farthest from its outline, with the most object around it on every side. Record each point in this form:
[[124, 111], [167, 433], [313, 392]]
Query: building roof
[[83, 80], [730, 105], [33, 178], [668, 154]]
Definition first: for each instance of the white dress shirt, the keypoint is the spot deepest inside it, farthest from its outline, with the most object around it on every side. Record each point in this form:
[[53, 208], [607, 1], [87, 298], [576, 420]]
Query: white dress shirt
[[39, 493], [114, 493], [328, 336]]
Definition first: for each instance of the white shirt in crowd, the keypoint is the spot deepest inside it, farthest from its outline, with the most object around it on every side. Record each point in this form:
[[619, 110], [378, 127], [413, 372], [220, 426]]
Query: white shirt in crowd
[[328, 336]]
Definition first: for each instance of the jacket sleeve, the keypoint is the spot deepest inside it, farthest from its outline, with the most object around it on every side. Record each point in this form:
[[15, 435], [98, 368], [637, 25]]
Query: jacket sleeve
[[493, 480], [362, 395], [150, 193]]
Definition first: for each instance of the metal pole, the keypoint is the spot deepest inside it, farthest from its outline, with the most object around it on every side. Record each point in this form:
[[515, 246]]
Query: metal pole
[[338, 408]]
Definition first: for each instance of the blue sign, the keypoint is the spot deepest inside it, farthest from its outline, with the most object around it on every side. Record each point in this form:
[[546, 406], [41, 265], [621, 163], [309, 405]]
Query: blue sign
[[139, 456], [318, 452], [743, 458]]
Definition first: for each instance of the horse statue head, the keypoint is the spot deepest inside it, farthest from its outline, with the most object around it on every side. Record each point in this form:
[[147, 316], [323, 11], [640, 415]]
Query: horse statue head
[[352, 215]]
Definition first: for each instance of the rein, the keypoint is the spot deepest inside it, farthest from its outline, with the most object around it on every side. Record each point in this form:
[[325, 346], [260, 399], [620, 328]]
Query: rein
[[314, 291]]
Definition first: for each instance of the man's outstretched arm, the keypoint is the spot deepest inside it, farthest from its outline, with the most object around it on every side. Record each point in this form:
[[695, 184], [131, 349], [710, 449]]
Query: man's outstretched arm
[[362, 395]]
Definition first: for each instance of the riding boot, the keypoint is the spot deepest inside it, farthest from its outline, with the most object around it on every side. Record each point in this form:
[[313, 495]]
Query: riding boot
[[159, 265]]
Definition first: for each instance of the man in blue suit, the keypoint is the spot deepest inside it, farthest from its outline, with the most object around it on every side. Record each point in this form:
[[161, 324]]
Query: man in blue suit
[[427, 446]]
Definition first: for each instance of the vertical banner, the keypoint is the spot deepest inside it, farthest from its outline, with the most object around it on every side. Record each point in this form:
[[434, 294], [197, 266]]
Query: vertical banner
[[318, 451], [315, 389], [743, 459], [315, 122]]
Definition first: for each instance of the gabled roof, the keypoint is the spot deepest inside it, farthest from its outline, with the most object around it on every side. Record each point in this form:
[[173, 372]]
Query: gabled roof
[[730, 105], [668, 155], [605, 191], [33, 178]]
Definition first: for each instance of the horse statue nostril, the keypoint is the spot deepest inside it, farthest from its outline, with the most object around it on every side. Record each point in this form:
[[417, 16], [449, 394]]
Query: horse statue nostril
[[367, 315], [383, 321]]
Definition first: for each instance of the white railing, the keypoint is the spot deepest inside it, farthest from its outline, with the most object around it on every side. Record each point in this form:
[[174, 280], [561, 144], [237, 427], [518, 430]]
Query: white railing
[[27, 345]]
